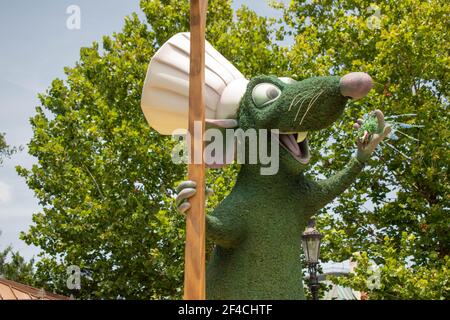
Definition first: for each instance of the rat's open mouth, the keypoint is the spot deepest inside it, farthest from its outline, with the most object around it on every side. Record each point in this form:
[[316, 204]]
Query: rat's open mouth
[[296, 144]]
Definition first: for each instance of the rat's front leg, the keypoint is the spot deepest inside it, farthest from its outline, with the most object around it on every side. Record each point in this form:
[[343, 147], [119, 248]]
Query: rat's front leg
[[224, 232], [322, 192], [370, 140]]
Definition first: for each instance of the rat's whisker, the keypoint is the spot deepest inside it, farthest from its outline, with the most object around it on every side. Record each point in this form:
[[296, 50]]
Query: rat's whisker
[[401, 115], [407, 135], [395, 149], [295, 98], [406, 125], [311, 103], [302, 101]]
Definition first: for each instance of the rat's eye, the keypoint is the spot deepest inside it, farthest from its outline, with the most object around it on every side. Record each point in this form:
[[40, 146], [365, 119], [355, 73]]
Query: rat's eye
[[265, 93]]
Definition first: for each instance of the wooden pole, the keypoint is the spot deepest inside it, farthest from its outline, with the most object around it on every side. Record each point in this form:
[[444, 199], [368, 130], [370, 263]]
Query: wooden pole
[[194, 268]]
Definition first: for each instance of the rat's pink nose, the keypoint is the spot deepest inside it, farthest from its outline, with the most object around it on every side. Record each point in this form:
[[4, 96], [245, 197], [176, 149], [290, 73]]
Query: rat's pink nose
[[356, 85]]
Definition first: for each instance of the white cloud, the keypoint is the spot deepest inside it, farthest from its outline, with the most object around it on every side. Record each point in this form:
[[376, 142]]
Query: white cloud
[[5, 193]]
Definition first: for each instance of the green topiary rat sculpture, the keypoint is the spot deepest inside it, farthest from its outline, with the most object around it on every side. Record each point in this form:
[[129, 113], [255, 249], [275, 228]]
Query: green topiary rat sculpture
[[257, 228]]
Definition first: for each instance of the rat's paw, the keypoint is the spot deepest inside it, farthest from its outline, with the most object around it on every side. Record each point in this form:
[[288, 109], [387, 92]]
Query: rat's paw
[[372, 132], [185, 191]]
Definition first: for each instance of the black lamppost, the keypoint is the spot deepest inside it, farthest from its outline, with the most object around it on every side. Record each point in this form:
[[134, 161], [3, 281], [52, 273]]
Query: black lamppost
[[311, 246]]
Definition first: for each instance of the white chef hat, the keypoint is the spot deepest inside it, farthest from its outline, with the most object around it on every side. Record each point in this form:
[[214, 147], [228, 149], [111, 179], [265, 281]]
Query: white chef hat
[[165, 96]]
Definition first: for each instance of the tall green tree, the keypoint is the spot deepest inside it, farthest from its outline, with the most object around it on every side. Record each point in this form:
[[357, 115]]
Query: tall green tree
[[106, 181]]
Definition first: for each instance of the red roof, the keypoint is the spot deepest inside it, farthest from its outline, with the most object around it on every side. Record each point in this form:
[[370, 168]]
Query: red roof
[[11, 290]]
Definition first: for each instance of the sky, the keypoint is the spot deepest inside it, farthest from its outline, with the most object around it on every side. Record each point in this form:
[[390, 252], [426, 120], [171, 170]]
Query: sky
[[36, 44]]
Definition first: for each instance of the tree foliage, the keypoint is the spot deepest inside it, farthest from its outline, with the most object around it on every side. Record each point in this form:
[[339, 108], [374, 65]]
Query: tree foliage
[[106, 182], [6, 151], [14, 267]]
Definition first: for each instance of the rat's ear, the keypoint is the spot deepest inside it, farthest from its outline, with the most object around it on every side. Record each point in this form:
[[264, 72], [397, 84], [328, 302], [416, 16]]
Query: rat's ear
[[287, 80], [221, 123], [221, 151]]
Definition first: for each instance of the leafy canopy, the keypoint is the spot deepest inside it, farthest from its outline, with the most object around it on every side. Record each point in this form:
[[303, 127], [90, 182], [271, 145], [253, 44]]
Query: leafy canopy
[[6, 151], [14, 267]]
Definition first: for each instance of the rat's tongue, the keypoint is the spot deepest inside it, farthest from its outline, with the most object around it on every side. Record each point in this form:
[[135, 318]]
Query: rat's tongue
[[290, 142]]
